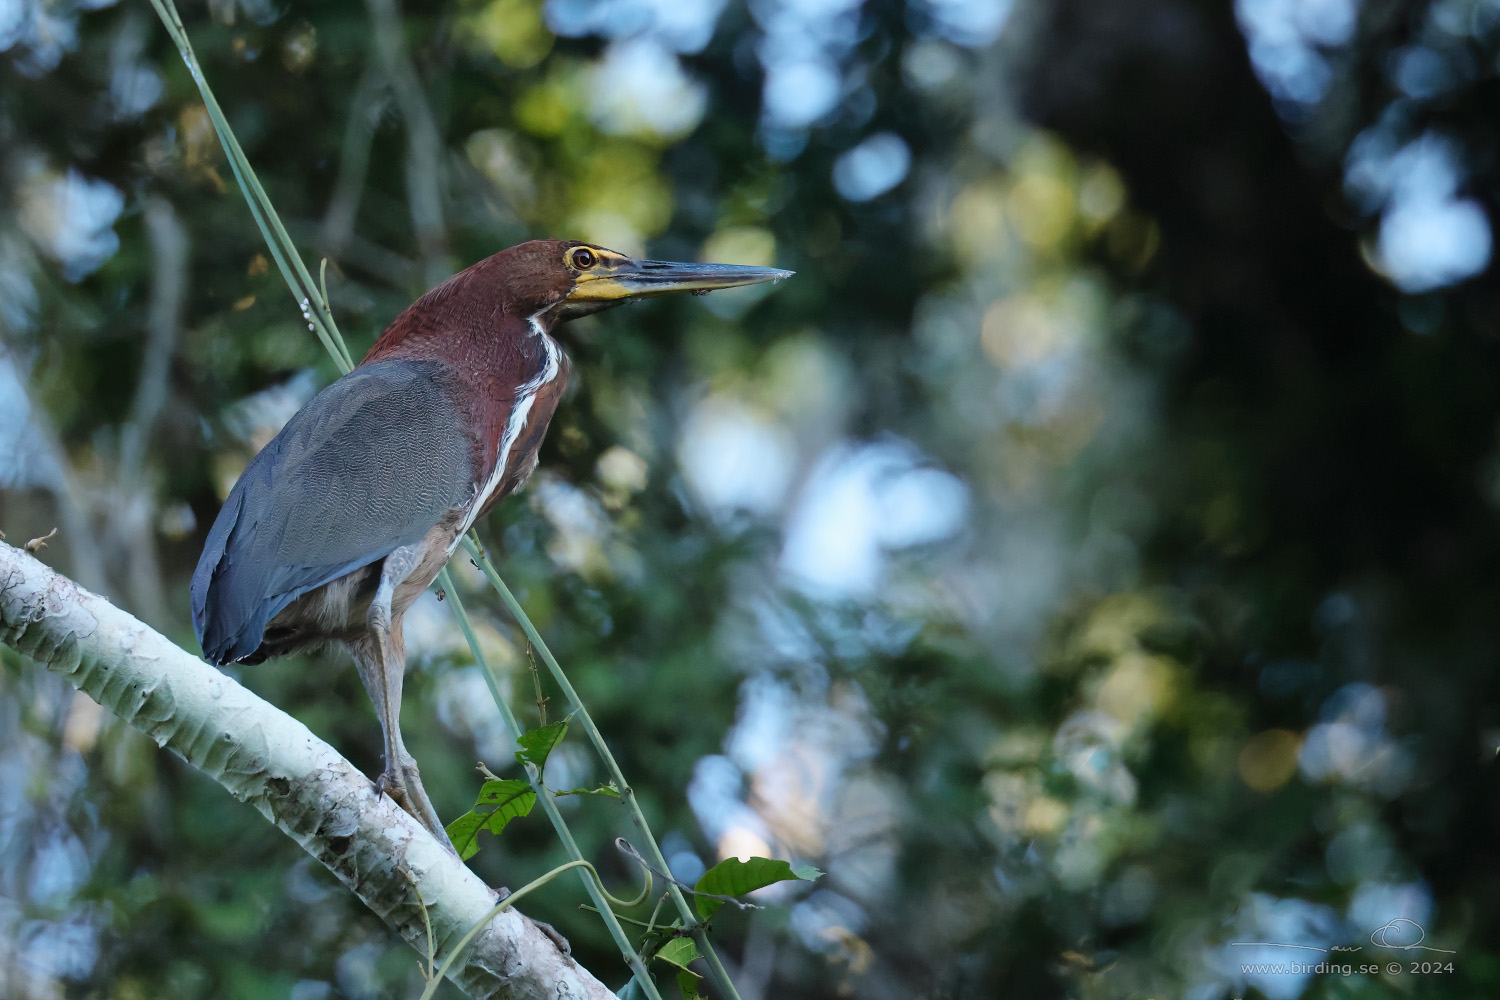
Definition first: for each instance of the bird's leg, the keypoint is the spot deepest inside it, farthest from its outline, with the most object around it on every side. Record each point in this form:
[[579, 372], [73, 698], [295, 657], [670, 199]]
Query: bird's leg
[[400, 779], [382, 668]]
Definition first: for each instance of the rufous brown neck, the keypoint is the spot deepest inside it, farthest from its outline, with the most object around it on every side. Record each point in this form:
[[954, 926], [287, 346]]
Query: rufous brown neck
[[490, 326]]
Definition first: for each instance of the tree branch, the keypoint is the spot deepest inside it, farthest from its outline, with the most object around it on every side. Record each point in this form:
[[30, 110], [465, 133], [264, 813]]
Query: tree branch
[[354, 163], [264, 757], [129, 527], [424, 141]]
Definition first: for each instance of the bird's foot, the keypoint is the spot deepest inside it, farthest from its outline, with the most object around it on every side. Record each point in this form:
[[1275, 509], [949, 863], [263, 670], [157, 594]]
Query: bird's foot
[[393, 784], [556, 938], [405, 789]]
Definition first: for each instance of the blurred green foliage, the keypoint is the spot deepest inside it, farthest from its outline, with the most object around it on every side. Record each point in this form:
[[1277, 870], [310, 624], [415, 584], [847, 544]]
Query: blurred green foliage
[[1087, 559]]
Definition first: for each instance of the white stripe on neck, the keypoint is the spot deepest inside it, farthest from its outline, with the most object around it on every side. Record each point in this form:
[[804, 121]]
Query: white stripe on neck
[[525, 396]]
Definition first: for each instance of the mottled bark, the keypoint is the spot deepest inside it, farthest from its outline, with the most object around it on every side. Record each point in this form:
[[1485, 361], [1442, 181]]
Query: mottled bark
[[264, 757]]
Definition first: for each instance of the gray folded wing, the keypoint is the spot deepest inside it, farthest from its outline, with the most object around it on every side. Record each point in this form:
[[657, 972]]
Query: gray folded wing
[[371, 463]]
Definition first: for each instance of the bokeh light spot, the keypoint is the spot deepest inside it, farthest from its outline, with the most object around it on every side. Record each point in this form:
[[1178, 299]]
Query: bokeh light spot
[[1269, 759], [873, 167], [512, 30], [1041, 209]]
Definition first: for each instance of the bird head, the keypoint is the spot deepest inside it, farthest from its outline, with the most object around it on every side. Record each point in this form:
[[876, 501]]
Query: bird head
[[545, 282], [565, 279]]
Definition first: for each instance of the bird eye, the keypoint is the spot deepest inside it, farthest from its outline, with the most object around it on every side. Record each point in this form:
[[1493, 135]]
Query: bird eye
[[583, 258]]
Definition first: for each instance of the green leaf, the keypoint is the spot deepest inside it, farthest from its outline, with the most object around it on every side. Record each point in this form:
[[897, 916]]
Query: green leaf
[[678, 951], [536, 744], [608, 788], [500, 801], [687, 982], [733, 877], [501, 791]]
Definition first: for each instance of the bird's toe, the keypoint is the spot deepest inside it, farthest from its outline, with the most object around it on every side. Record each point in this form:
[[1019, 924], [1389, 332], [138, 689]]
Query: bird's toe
[[404, 787], [556, 938], [388, 784]]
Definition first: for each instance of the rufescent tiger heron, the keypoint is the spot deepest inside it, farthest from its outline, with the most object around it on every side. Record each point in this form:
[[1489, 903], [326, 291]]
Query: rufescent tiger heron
[[352, 509]]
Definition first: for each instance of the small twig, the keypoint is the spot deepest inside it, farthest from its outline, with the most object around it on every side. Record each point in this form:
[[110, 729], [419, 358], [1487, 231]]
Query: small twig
[[651, 924], [323, 283], [37, 544], [624, 847], [536, 680], [622, 919], [431, 969], [55, 474]]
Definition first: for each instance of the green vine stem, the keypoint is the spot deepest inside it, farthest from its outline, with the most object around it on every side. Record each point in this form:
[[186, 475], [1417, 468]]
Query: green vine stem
[[314, 306], [511, 900], [427, 972], [593, 886], [717, 973]]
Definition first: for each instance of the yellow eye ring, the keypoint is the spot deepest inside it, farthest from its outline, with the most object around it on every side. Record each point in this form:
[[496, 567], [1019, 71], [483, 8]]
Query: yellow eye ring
[[583, 258]]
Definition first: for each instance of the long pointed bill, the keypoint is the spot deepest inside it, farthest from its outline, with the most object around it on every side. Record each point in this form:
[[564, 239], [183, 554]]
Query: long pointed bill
[[639, 279]]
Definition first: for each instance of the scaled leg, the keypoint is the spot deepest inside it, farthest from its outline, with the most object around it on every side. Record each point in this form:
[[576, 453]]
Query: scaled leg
[[382, 667]]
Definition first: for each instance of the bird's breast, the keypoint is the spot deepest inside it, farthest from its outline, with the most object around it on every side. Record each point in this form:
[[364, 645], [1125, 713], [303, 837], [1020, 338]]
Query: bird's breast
[[518, 423]]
